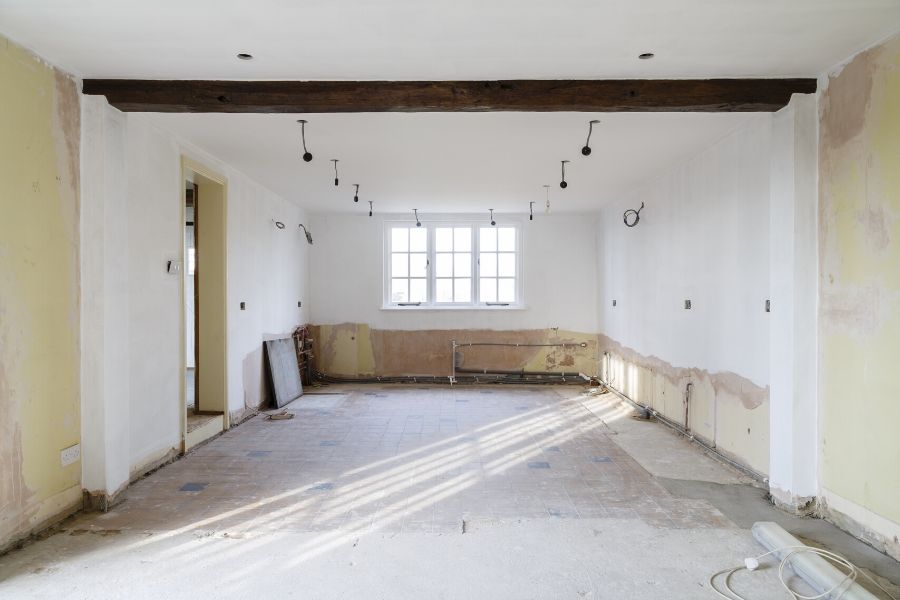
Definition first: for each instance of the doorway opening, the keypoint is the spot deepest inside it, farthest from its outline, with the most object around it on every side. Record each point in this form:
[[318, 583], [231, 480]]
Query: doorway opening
[[205, 399]]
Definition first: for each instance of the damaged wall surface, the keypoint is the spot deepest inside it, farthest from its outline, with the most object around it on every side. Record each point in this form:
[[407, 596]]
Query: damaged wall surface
[[703, 236], [859, 314], [357, 337], [39, 285]]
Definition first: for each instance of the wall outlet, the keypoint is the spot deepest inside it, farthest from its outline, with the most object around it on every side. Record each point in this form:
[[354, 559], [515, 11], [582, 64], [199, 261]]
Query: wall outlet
[[69, 455]]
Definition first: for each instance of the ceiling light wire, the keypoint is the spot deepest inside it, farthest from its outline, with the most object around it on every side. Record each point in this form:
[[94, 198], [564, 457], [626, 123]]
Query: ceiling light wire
[[370, 208], [416, 213], [356, 193], [547, 206], [307, 155], [587, 145], [563, 183], [531, 211], [335, 161], [493, 222]]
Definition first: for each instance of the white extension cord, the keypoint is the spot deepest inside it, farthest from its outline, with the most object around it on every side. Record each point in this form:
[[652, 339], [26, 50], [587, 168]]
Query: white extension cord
[[752, 563]]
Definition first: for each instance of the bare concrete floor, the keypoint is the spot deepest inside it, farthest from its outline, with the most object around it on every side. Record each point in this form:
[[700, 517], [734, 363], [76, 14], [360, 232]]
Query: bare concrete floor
[[413, 492]]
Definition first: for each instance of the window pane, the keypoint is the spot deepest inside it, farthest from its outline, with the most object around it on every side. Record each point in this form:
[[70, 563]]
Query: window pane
[[399, 290], [417, 264], [399, 265], [418, 239], [506, 291], [418, 290], [462, 239], [443, 239], [488, 239], [462, 290], [444, 290], [487, 264], [399, 239], [488, 290], [506, 265], [506, 239], [462, 264], [444, 266]]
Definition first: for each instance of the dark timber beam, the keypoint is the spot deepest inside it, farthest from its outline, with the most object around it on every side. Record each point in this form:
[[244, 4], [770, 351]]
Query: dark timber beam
[[626, 95]]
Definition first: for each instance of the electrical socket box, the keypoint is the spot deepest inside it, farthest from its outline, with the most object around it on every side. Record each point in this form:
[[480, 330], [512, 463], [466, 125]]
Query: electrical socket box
[[69, 455]]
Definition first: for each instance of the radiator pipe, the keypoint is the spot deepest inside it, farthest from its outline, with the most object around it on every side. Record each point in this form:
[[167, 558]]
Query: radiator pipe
[[680, 430]]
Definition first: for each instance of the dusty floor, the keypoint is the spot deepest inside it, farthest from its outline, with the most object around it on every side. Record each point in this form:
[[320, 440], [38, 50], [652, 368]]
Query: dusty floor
[[418, 492]]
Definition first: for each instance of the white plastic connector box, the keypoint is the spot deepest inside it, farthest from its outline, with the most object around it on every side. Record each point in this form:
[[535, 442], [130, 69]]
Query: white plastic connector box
[[69, 455]]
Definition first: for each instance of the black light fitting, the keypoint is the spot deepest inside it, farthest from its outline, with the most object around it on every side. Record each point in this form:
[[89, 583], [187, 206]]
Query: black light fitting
[[493, 222], [370, 208], [307, 155], [335, 161], [563, 183], [356, 193], [587, 145], [416, 213], [531, 211]]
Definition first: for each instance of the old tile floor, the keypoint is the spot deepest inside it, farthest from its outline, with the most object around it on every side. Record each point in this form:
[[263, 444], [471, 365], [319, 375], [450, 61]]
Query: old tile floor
[[401, 491]]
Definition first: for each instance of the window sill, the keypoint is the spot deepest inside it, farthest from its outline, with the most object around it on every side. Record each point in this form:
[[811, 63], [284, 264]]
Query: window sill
[[452, 308]]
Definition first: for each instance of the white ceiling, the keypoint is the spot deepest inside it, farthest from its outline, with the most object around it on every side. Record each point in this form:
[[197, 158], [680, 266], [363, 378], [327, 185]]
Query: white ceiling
[[449, 162], [452, 162], [446, 39]]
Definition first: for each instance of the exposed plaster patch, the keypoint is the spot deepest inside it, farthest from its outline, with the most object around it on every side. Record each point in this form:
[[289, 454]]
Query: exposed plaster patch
[[751, 395], [852, 310], [844, 106]]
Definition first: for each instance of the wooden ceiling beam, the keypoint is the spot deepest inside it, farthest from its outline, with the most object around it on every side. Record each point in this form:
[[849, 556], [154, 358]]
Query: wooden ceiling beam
[[623, 95]]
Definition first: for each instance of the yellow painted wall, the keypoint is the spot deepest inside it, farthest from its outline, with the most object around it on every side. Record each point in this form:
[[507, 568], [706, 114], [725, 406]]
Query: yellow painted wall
[[39, 288], [859, 331]]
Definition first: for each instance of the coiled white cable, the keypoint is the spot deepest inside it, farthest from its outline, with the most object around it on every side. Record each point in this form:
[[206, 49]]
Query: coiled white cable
[[752, 563]]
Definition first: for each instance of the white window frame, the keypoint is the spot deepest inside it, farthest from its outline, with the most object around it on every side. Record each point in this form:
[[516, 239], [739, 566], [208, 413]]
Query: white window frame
[[432, 224]]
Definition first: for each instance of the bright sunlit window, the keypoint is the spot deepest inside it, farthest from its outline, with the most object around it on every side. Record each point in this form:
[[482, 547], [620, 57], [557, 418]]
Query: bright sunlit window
[[452, 265]]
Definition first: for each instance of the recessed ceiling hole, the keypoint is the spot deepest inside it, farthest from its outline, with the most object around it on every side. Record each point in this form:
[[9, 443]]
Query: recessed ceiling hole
[[646, 56], [245, 56]]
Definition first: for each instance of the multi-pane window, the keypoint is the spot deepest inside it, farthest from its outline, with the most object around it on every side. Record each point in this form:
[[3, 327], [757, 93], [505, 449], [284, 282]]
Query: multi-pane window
[[452, 265], [409, 265], [497, 264]]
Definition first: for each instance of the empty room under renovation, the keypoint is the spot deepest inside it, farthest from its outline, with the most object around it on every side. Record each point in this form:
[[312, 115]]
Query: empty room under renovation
[[452, 300]]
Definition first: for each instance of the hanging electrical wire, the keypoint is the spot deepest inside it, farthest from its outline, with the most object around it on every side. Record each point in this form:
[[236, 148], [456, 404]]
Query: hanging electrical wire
[[370, 208], [547, 206], [416, 213], [563, 183], [493, 222], [356, 193], [307, 155], [335, 161], [631, 216], [531, 211], [587, 145]]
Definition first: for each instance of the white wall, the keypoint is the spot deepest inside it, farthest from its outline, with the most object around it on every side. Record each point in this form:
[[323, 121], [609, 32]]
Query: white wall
[[559, 269], [703, 235], [133, 225]]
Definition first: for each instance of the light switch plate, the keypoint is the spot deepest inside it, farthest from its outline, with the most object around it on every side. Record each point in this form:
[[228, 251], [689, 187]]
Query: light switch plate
[[69, 455]]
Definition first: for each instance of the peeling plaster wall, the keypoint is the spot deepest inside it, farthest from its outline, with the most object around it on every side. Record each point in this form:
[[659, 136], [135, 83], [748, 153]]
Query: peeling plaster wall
[[356, 337], [703, 236], [140, 305], [39, 286], [859, 313]]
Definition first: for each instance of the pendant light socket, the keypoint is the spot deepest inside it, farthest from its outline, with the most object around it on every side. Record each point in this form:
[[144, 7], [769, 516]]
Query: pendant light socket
[[586, 150], [307, 155], [356, 194], [493, 222], [335, 161], [563, 183]]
